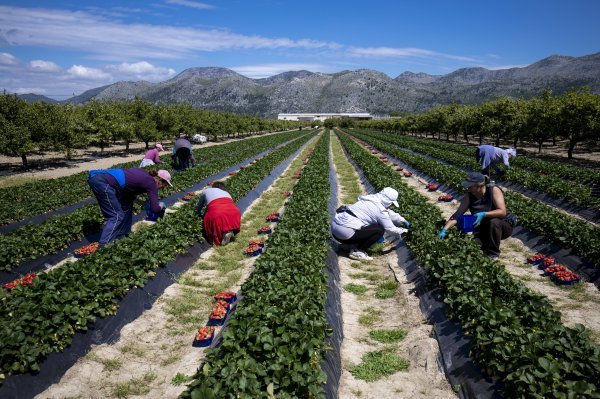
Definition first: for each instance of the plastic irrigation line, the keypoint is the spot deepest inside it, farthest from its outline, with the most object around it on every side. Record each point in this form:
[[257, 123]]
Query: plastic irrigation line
[[108, 329], [589, 214], [332, 361], [45, 216], [578, 264], [46, 262], [454, 344], [563, 256]]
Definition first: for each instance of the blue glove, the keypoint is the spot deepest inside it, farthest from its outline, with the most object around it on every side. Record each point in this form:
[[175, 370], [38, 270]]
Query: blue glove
[[479, 216], [162, 205], [442, 234], [406, 224]]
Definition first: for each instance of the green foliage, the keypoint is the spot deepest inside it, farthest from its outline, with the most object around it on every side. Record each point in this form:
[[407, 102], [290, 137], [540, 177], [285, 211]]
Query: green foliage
[[388, 336], [40, 319], [357, 289], [275, 340], [516, 333], [376, 365]]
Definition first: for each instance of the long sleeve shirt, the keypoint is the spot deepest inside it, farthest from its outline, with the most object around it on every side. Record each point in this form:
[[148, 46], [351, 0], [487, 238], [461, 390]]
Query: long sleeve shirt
[[138, 181], [153, 155], [490, 154], [366, 213], [208, 195]]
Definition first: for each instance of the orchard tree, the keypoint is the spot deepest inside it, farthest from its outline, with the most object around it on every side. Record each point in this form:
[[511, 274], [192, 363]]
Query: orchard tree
[[541, 118], [16, 137], [144, 123], [579, 117]]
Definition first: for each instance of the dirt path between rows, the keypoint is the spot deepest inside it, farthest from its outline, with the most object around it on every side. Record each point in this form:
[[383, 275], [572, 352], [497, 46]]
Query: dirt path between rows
[[154, 357], [369, 311], [83, 164], [577, 304]]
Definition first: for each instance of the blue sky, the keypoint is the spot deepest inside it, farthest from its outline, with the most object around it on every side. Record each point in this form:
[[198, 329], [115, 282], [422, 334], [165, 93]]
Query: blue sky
[[58, 48]]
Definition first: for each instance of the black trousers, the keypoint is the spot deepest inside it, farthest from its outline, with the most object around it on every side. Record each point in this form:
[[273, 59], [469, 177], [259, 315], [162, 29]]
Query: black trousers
[[183, 158], [490, 233], [365, 237]]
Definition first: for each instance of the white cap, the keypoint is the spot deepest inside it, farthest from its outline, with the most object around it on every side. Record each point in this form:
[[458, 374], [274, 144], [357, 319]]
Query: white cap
[[391, 195]]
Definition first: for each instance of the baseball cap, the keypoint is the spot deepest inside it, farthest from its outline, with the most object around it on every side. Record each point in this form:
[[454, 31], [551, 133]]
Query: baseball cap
[[166, 176], [472, 179], [391, 195]]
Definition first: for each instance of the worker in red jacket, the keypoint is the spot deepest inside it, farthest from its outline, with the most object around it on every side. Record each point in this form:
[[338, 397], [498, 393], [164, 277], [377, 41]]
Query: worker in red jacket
[[222, 219]]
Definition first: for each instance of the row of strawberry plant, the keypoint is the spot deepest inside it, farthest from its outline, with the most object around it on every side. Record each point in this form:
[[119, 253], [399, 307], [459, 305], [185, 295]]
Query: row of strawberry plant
[[516, 333], [56, 233], [559, 169], [42, 318], [571, 190], [275, 341], [43, 196], [569, 232]]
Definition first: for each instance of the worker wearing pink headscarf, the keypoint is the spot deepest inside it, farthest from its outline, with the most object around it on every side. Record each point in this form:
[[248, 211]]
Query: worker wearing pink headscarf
[[151, 157]]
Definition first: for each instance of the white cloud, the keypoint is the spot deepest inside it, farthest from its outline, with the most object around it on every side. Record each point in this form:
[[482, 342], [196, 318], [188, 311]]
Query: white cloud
[[405, 52], [79, 71], [8, 59], [192, 4], [141, 70], [43, 66], [266, 70], [112, 40]]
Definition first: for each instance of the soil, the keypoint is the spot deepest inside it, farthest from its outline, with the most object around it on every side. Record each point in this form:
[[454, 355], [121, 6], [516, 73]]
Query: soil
[[156, 348], [50, 165], [424, 378], [577, 304]]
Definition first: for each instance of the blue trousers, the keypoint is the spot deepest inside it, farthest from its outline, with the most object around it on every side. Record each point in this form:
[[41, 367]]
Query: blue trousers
[[117, 215]]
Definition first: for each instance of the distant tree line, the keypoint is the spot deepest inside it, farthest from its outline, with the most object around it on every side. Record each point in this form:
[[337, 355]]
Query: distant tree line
[[27, 127], [573, 116]]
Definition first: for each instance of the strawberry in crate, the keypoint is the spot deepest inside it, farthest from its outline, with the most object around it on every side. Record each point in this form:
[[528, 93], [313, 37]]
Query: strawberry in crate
[[86, 250]]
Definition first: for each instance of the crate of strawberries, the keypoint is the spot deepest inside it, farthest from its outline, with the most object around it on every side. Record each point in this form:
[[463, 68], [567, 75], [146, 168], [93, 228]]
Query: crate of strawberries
[[536, 259], [227, 296], [86, 250], [253, 250], [265, 230], [407, 173], [204, 336], [218, 314], [445, 198], [432, 186]]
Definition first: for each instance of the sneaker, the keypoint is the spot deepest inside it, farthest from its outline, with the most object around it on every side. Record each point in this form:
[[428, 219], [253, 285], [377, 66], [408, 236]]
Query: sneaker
[[492, 256], [227, 237], [359, 255]]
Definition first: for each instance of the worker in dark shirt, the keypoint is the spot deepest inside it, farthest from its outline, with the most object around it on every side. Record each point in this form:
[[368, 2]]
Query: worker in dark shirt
[[183, 154], [117, 189]]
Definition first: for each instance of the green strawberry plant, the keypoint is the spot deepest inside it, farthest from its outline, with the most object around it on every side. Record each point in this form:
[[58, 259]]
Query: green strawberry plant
[[516, 333]]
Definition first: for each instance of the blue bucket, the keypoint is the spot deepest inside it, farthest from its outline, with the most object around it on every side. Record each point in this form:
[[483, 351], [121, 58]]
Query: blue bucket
[[465, 223]]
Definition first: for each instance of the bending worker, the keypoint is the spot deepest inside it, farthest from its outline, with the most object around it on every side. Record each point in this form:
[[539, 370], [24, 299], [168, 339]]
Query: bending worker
[[489, 156], [364, 223], [223, 218], [183, 154], [117, 189], [151, 157], [485, 201]]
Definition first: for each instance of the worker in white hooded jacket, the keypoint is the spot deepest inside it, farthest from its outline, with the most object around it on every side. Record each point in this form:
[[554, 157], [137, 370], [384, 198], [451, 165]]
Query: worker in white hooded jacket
[[364, 223]]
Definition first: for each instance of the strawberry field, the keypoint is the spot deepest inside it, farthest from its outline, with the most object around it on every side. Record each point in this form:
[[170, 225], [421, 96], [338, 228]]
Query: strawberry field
[[276, 337]]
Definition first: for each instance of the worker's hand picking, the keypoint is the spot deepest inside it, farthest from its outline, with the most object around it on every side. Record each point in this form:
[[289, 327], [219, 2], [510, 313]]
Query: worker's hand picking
[[479, 216], [442, 234]]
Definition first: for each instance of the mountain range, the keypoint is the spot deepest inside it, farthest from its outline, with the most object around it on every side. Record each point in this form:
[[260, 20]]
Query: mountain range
[[363, 90]]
